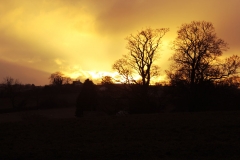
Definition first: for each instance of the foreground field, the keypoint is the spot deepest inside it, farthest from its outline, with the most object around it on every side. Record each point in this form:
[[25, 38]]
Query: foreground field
[[210, 135]]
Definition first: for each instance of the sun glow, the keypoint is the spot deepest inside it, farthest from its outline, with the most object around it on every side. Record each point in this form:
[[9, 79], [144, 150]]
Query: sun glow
[[97, 76]]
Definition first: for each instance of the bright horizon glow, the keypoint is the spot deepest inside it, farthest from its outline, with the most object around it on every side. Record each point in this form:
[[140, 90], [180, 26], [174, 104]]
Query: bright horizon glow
[[97, 76]]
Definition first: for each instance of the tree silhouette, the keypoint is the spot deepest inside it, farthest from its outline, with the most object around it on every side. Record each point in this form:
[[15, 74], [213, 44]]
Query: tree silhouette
[[138, 65], [197, 61], [58, 79], [87, 98], [143, 51], [197, 52], [106, 80]]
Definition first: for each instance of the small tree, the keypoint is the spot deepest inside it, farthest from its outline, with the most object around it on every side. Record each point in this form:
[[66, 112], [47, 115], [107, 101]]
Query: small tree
[[59, 79], [67, 80], [56, 78], [107, 80]]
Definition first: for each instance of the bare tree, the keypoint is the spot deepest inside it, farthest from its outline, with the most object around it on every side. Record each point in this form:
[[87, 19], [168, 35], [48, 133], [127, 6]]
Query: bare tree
[[143, 51], [67, 80], [122, 66], [226, 69], [58, 78], [197, 52], [107, 80], [138, 66], [197, 64]]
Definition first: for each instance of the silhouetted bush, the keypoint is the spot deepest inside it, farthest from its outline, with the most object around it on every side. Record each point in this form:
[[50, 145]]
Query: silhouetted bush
[[87, 99]]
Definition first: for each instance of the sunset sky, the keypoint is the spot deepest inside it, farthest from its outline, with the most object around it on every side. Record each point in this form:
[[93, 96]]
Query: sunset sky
[[83, 38]]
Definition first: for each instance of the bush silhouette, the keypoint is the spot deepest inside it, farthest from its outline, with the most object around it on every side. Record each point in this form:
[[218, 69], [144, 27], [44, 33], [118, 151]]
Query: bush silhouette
[[87, 98]]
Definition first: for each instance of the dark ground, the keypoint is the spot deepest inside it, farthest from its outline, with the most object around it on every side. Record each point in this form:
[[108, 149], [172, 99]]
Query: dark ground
[[56, 134]]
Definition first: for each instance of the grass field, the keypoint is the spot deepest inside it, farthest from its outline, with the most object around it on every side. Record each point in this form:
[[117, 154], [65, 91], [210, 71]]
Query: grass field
[[206, 135]]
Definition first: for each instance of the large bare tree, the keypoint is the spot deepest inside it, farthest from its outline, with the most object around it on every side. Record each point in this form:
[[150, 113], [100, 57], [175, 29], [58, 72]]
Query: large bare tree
[[139, 61], [197, 55]]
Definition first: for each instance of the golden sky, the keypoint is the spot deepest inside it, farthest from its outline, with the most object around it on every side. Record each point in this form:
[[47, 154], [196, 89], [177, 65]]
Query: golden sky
[[85, 37]]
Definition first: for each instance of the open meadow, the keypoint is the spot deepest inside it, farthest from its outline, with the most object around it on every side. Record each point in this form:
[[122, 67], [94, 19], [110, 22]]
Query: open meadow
[[59, 135]]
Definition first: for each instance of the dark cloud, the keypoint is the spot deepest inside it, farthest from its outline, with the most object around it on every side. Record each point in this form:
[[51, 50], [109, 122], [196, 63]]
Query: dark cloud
[[123, 16]]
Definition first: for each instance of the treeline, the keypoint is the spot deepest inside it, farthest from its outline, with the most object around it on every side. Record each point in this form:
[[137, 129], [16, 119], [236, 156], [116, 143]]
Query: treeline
[[15, 96], [112, 98], [199, 78]]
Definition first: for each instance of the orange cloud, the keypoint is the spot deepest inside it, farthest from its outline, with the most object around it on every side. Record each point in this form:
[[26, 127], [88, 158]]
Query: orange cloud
[[56, 35]]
